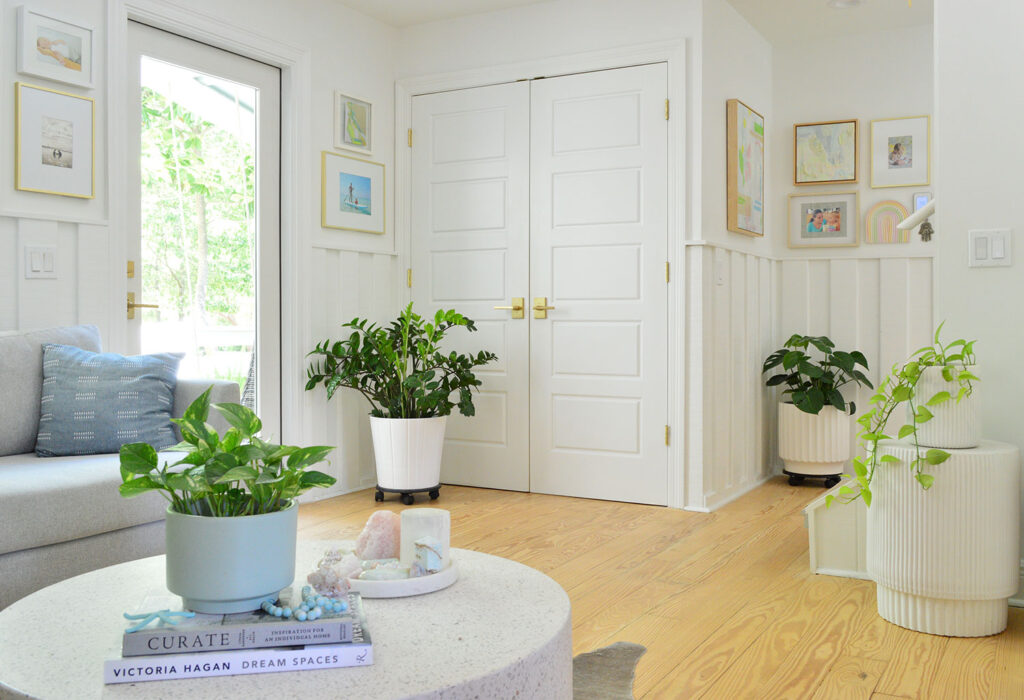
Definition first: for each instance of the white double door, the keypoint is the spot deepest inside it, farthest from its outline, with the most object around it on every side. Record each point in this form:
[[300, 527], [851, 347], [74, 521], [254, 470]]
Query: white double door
[[553, 191]]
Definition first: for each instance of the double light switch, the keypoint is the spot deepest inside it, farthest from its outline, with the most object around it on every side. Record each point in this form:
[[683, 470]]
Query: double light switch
[[989, 248]]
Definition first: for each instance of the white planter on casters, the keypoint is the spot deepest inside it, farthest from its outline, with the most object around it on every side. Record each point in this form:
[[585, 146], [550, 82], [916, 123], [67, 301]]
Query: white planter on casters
[[408, 455], [956, 423], [814, 445]]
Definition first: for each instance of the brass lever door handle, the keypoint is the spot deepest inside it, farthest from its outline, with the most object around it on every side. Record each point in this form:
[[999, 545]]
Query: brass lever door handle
[[130, 306], [540, 307], [516, 308]]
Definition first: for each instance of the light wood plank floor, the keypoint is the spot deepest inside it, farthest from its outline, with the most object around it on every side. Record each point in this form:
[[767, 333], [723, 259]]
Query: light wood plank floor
[[724, 602]]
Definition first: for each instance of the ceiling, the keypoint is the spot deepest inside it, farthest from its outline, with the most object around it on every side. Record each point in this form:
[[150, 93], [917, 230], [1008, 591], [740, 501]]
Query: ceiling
[[786, 21], [402, 13]]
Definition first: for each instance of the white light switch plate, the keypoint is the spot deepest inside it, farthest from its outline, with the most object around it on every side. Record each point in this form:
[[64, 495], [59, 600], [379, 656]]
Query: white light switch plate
[[40, 262], [990, 247]]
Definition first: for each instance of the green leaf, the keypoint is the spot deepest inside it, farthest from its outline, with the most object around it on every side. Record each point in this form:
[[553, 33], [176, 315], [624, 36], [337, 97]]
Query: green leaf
[[865, 493], [240, 473], [313, 478], [926, 480], [828, 500], [890, 459], [792, 358], [923, 415], [199, 409], [935, 456], [901, 393], [240, 418], [939, 398], [134, 487], [138, 458], [906, 431]]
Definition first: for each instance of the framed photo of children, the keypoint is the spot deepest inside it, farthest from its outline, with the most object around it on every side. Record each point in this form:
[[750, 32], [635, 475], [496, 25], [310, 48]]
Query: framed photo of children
[[825, 153], [55, 49], [901, 152], [351, 193], [54, 146], [823, 220], [353, 123]]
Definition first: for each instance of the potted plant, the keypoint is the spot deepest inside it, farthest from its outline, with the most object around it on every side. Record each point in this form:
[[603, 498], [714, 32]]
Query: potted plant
[[410, 383], [232, 516], [814, 417]]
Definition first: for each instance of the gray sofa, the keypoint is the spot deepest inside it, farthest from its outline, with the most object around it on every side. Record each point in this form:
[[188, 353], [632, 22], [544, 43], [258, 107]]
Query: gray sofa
[[63, 516]]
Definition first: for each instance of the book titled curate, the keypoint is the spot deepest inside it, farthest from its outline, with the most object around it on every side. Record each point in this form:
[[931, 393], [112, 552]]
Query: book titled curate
[[249, 630]]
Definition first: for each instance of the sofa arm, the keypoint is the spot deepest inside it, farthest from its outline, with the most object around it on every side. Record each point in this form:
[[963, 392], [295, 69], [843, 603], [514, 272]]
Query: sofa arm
[[188, 390]]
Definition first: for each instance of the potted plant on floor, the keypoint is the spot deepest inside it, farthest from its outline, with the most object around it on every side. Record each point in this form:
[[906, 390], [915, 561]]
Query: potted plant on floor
[[410, 383], [232, 516], [814, 417]]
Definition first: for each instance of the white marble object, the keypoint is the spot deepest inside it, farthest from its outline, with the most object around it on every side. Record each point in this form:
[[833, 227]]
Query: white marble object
[[428, 558], [814, 445], [425, 522]]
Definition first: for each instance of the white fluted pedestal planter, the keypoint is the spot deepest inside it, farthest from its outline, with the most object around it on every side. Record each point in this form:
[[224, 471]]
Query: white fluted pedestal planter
[[815, 445], [946, 560]]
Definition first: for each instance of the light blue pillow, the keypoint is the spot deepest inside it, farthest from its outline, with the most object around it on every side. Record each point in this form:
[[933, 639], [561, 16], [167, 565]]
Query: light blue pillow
[[95, 402]]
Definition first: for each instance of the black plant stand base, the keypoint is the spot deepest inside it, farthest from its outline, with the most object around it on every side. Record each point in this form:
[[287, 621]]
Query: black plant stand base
[[797, 479], [407, 498]]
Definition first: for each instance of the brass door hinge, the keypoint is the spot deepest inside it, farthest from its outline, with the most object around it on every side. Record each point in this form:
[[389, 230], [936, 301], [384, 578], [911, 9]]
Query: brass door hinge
[[131, 269], [666, 435], [410, 138], [666, 109], [668, 276], [408, 277]]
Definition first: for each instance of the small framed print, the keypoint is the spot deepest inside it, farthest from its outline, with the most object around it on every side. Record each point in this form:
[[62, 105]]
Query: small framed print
[[921, 199], [353, 123], [54, 48], [54, 142], [351, 193], [825, 153], [823, 220], [901, 152]]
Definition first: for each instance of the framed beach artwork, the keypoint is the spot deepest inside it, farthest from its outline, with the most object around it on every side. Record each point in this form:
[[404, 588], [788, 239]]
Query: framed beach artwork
[[901, 152], [54, 142], [353, 123], [53, 48], [744, 169], [825, 153], [351, 193], [823, 220]]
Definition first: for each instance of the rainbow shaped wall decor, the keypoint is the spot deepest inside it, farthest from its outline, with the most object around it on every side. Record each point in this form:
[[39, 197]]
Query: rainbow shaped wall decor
[[881, 221]]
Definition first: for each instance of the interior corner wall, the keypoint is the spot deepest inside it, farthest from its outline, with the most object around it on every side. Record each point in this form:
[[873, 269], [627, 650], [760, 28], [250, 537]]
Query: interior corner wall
[[978, 54]]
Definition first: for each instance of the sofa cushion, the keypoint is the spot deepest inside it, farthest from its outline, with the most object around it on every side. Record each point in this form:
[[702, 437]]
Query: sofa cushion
[[21, 376], [58, 499], [93, 403]]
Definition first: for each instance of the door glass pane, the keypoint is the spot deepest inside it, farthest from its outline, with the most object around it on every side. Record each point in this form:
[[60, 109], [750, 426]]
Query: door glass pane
[[199, 222]]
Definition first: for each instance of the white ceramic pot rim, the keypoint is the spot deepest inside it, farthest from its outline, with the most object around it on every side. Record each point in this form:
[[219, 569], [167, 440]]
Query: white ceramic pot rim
[[292, 504]]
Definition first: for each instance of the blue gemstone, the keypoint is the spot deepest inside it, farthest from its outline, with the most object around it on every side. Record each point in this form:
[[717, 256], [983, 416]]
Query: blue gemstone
[[300, 615]]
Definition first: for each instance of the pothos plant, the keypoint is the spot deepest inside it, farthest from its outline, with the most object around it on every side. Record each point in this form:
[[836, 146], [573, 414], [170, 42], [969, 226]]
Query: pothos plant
[[812, 383], [400, 368], [956, 359], [223, 476]]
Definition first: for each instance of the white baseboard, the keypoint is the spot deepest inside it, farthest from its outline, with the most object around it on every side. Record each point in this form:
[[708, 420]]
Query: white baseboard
[[713, 503], [843, 573]]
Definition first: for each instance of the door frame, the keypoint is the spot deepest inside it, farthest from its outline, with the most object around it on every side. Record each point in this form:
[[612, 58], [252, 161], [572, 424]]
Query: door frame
[[297, 161], [684, 459]]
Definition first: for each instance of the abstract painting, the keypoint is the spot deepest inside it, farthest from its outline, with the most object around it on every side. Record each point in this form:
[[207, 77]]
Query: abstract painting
[[825, 153], [744, 169], [353, 123]]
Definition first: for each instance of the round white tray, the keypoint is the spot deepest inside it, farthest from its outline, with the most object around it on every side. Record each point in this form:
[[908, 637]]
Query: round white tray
[[400, 588]]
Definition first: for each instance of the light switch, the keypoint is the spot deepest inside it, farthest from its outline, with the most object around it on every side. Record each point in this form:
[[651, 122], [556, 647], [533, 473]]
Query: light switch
[[40, 262], [990, 247], [998, 248], [981, 248]]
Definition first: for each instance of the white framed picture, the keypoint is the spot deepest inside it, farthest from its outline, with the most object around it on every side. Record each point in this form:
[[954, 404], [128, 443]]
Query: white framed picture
[[54, 48], [353, 123], [54, 142], [823, 220], [901, 152], [351, 193]]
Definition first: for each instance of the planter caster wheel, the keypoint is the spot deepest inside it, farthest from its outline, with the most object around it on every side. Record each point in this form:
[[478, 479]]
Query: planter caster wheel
[[407, 499], [796, 480], [435, 494], [378, 496], [831, 481]]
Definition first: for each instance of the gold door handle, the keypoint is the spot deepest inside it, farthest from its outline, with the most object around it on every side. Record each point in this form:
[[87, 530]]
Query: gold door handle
[[516, 308], [540, 307], [130, 306]]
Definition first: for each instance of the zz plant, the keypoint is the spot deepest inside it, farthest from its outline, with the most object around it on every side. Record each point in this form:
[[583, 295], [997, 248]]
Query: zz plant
[[955, 360], [223, 476], [811, 384], [401, 368]]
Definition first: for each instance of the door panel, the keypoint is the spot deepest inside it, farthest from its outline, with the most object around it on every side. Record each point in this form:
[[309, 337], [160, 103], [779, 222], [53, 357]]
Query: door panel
[[470, 248]]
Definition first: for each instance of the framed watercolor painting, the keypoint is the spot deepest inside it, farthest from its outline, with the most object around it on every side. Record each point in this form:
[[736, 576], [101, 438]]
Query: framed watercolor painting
[[901, 152], [351, 193], [353, 123], [54, 142], [825, 153], [823, 220], [744, 169], [54, 48]]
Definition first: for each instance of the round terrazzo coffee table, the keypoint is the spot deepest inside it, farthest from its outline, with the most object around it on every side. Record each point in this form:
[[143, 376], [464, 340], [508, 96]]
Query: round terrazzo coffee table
[[502, 630]]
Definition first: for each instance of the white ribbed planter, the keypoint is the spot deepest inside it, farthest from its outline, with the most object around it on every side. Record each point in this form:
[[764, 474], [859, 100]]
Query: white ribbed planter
[[814, 445], [408, 451], [946, 560], [956, 423]]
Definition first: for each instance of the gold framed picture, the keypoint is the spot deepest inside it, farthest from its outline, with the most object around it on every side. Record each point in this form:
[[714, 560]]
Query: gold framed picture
[[352, 194], [54, 150], [824, 220], [825, 153], [901, 152]]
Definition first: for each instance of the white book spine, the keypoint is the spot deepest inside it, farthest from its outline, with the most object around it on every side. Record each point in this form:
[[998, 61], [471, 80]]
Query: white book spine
[[138, 669]]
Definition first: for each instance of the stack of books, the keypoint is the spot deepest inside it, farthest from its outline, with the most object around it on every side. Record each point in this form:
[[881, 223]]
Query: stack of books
[[240, 643]]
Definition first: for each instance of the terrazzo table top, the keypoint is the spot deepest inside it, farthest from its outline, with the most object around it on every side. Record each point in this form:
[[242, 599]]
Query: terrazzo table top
[[502, 630]]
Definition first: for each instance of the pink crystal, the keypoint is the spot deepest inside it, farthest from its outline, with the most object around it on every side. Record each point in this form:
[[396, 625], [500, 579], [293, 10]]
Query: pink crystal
[[381, 537]]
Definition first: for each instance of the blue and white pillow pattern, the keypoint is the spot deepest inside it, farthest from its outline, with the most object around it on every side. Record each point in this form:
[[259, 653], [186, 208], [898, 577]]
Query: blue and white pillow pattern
[[93, 403]]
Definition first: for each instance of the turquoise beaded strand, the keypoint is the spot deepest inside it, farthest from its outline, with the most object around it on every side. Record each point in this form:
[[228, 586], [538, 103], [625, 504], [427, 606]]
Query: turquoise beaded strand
[[312, 607]]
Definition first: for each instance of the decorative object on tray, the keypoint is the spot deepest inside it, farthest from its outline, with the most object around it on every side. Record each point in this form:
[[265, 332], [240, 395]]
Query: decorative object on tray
[[353, 123], [881, 223], [53, 48], [351, 193], [825, 153], [901, 152], [814, 416], [744, 169], [823, 220], [54, 142], [408, 380], [232, 518]]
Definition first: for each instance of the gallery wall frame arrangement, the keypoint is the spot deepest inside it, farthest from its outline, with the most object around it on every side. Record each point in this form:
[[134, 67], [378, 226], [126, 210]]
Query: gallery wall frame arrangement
[[54, 48], [352, 196], [826, 153], [901, 152], [55, 145], [881, 220], [353, 123], [744, 169], [823, 220]]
